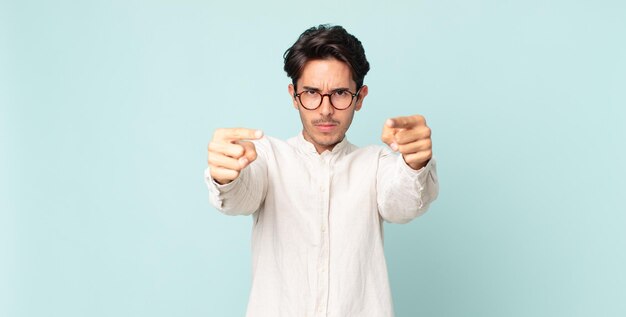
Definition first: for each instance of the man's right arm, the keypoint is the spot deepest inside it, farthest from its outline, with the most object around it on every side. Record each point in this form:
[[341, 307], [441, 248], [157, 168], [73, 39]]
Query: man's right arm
[[236, 176]]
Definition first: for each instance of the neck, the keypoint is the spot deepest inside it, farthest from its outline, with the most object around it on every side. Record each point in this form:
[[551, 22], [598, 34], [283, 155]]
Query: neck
[[320, 148]]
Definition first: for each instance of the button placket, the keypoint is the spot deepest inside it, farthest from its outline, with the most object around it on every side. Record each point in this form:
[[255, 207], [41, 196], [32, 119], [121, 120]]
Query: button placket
[[324, 260]]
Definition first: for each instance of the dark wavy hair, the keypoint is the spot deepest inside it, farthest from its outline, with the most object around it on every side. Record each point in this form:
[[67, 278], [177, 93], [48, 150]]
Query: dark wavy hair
[[323, 42]]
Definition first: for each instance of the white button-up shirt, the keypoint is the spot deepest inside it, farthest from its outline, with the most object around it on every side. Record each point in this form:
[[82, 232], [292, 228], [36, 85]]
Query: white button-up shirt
[[317, 236]]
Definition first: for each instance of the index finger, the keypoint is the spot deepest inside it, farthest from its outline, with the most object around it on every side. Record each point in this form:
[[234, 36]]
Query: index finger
[[405, 122], [235, 134]]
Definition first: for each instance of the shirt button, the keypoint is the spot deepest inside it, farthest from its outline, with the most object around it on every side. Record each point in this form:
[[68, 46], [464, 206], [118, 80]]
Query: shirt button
[[323, 228]]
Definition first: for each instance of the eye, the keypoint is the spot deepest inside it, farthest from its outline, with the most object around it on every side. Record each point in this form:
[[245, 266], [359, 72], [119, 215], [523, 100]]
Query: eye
[[309, 92], [341, 93]]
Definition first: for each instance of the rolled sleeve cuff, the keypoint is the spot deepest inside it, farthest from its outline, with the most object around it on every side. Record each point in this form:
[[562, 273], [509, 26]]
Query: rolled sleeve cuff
[[217, 191], [421, 175]]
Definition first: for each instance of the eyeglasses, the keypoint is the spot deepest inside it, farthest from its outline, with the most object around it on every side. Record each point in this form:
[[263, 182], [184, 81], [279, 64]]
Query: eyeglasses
[[339, 99]]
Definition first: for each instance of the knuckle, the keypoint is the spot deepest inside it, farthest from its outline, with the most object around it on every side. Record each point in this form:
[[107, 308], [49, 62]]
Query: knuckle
[[230, 167], [219, 133], [240, 152], [214, 173], [231, 172], [251, 154], [212, 146], [224, 173], [386, 136], [236, 169], [211, 159]]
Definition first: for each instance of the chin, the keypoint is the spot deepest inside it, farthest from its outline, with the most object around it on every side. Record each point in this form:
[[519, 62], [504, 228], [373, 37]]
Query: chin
[[328, 140]]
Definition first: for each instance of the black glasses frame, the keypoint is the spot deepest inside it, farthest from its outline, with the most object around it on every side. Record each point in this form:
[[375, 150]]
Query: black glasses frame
[[297, 96]]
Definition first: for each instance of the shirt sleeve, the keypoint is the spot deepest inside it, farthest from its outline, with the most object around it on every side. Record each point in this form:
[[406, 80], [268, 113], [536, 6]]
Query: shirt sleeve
[[402, 192], [245, 194]]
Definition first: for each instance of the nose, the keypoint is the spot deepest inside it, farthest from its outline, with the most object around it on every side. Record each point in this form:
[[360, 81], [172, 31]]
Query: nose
[[326, 108]]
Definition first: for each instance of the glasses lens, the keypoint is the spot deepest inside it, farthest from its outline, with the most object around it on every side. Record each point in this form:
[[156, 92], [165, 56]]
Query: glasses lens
[[310, 99], [341, 99]]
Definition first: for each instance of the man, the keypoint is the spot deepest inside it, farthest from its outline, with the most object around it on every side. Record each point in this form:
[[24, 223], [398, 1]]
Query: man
[[318, 202]]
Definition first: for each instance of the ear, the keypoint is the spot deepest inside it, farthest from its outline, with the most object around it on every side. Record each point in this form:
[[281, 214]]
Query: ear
[[292, 91], [361, 96]]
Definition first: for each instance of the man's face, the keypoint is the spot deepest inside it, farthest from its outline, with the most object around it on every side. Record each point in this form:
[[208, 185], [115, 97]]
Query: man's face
[[326, 126]]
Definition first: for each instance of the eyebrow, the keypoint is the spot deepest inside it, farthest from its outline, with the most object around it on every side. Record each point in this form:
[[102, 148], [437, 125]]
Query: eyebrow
[[318, 90]]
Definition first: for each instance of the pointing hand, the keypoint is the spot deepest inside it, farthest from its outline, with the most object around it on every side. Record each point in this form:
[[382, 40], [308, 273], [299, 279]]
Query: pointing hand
[[411, 137], [230, 153]]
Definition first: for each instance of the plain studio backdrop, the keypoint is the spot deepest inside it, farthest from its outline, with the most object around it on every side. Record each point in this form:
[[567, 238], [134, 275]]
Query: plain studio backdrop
[[107, 108]]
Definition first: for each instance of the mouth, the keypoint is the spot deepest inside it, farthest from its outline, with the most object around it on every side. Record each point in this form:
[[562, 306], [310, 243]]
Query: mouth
[[325, 127]]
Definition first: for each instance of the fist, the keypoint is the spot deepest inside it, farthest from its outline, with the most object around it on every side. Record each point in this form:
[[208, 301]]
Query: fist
[[229, 152], [411, 137]]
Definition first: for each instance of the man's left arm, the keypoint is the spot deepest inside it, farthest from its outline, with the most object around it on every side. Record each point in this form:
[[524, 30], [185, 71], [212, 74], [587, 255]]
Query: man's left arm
[[407, 180]]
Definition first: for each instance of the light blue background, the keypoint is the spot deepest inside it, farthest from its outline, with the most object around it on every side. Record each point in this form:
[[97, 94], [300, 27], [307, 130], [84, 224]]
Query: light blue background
[[107, 108]]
